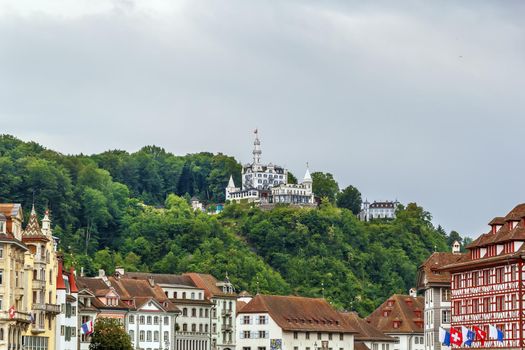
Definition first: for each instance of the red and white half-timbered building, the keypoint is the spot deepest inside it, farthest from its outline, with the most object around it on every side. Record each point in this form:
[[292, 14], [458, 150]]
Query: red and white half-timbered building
[[487, 284]]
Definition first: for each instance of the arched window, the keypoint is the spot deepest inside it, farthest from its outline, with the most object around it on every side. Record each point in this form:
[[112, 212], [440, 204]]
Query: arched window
[[193, 312], [156, 320], [183, 295], [184, 327], [192, 295], [184, 312]]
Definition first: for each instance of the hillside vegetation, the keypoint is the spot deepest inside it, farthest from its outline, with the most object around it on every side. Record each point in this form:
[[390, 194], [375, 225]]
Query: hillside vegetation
[[131, 210]]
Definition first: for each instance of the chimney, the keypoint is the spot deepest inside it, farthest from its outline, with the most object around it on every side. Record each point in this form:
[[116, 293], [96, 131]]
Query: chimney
[[82, 271], [456, 247], [119, 271], [412, 292]]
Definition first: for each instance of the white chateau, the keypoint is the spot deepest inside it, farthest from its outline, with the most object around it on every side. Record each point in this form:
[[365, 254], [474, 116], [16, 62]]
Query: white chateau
[[268, 183], [378, 210]]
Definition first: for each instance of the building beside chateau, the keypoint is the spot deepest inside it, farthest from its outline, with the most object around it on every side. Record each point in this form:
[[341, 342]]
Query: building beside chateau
[[268, 183], [67, 320], [271, 322], [378, 210], [435, 286], [401, 317], [487, 282]]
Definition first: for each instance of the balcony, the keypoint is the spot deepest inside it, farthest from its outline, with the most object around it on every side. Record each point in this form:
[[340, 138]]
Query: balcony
[[49, 308], [39, 259], [38, 328], [226, 312], [39, 284], [19, 317], [226, 327]]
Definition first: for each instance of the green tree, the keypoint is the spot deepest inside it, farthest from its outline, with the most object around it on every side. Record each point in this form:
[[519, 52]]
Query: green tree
[[324, 185], [109, 333], [350, 198]]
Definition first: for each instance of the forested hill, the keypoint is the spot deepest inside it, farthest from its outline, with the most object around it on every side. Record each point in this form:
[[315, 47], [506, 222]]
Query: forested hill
[[132, 210]]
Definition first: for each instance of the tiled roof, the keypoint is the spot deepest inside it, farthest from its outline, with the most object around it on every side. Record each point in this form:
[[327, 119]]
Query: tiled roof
[[162, 278], [239, 305], [401, 308], [293, 313], [429, 272], [365, 331], [209, 284], [360, 346], [140, 291]]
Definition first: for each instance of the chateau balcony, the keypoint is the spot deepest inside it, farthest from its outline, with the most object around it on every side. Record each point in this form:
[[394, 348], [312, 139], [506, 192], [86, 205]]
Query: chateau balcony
[[39, 284], [38, 328], [19, 317], [227, 327], [192, 334], [39, 259], [49, 308]]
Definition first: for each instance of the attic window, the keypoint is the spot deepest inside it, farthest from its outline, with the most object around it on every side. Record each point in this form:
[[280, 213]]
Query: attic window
[[386, 313], [397, 323], [390, 303]]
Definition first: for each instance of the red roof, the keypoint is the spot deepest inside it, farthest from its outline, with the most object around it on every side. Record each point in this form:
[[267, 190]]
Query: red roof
[[72, 282], [293, 313], [399, 310], [60, 278]]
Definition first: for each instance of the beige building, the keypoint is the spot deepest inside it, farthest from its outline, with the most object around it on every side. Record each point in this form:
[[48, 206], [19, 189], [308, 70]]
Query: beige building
[[15, 316]]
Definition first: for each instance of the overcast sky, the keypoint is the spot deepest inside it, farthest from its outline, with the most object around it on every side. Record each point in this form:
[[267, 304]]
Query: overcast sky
[[420, 101]]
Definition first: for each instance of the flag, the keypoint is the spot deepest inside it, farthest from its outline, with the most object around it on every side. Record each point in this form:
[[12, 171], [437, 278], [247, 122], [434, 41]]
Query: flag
[[495, 333], [11, 312], [468, 336], [87, 328], [456, 338], [444, 336], [481, 335]]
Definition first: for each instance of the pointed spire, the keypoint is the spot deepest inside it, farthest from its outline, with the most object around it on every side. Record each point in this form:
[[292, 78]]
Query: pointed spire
[[33, 227], [231, 184], [46, 222], [72, 282], [256, 148], [307, 176], [60, 278]]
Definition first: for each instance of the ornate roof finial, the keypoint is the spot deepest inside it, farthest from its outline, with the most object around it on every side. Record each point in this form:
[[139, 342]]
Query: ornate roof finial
[[256, 148]]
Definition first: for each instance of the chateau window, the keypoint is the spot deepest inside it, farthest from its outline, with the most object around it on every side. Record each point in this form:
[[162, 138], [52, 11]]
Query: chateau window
[[148, 336], [183, 295], [142, 319], [192, 295], [201, 313], [156, 336], [148, 320], [166, 320], [156, 320], [141, 335]]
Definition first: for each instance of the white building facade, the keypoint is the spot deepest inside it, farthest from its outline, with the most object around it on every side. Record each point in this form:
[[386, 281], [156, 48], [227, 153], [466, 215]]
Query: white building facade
[[292, 323], [67, 320], [378, 210]]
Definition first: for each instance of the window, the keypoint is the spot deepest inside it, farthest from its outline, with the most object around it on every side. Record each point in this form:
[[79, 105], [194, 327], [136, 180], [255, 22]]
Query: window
[[319, 335], [193, 327], [201, 313], [141, 336], [192, 295], [183, 295], [307, 335], [156, 320], [262, 319], [329, 336], [246, 348], [445, 316], [156, 336], [184, 327], [148, 336], [1, 276], [246, 320], [499, 275], [166, 336], [148, 320], [500, 303], [445, 294], [142, 319], [341, 336], [166, 320], [246, 334], [206, 313], [184, 312], [262, 334], [194, 312], [295, 335], [131, 319], [261, 348], [131, 335], [417, 340]]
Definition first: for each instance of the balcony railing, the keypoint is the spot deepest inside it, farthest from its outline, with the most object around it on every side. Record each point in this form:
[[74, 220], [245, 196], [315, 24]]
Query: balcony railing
[[39, 284], [41, 259], [19, 316], [226, 312], [186, 333], [226, 327], [38, 328], [50, 308]]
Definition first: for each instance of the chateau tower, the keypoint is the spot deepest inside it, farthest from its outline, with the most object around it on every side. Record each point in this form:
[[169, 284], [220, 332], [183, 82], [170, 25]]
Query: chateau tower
[[256, 149]]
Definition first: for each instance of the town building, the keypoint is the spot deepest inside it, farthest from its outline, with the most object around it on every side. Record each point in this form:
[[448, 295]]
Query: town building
[[271, 322], [67, 320], [487, 282], [197, 321], [40, 334], [378, 210], [267, 184], [223, 296], [434, 284], [15, 278], [401, 316], [368, 337]]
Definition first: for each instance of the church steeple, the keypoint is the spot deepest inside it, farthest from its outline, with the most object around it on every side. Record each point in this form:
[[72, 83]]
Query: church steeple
[[231, 184], [256, 148]]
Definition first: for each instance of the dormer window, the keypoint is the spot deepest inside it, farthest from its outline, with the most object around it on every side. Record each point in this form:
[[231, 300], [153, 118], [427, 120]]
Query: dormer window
[[397, 323], [390, 303]]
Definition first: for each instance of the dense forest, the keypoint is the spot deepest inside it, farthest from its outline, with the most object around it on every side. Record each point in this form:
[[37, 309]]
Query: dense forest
[[131, 210]]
